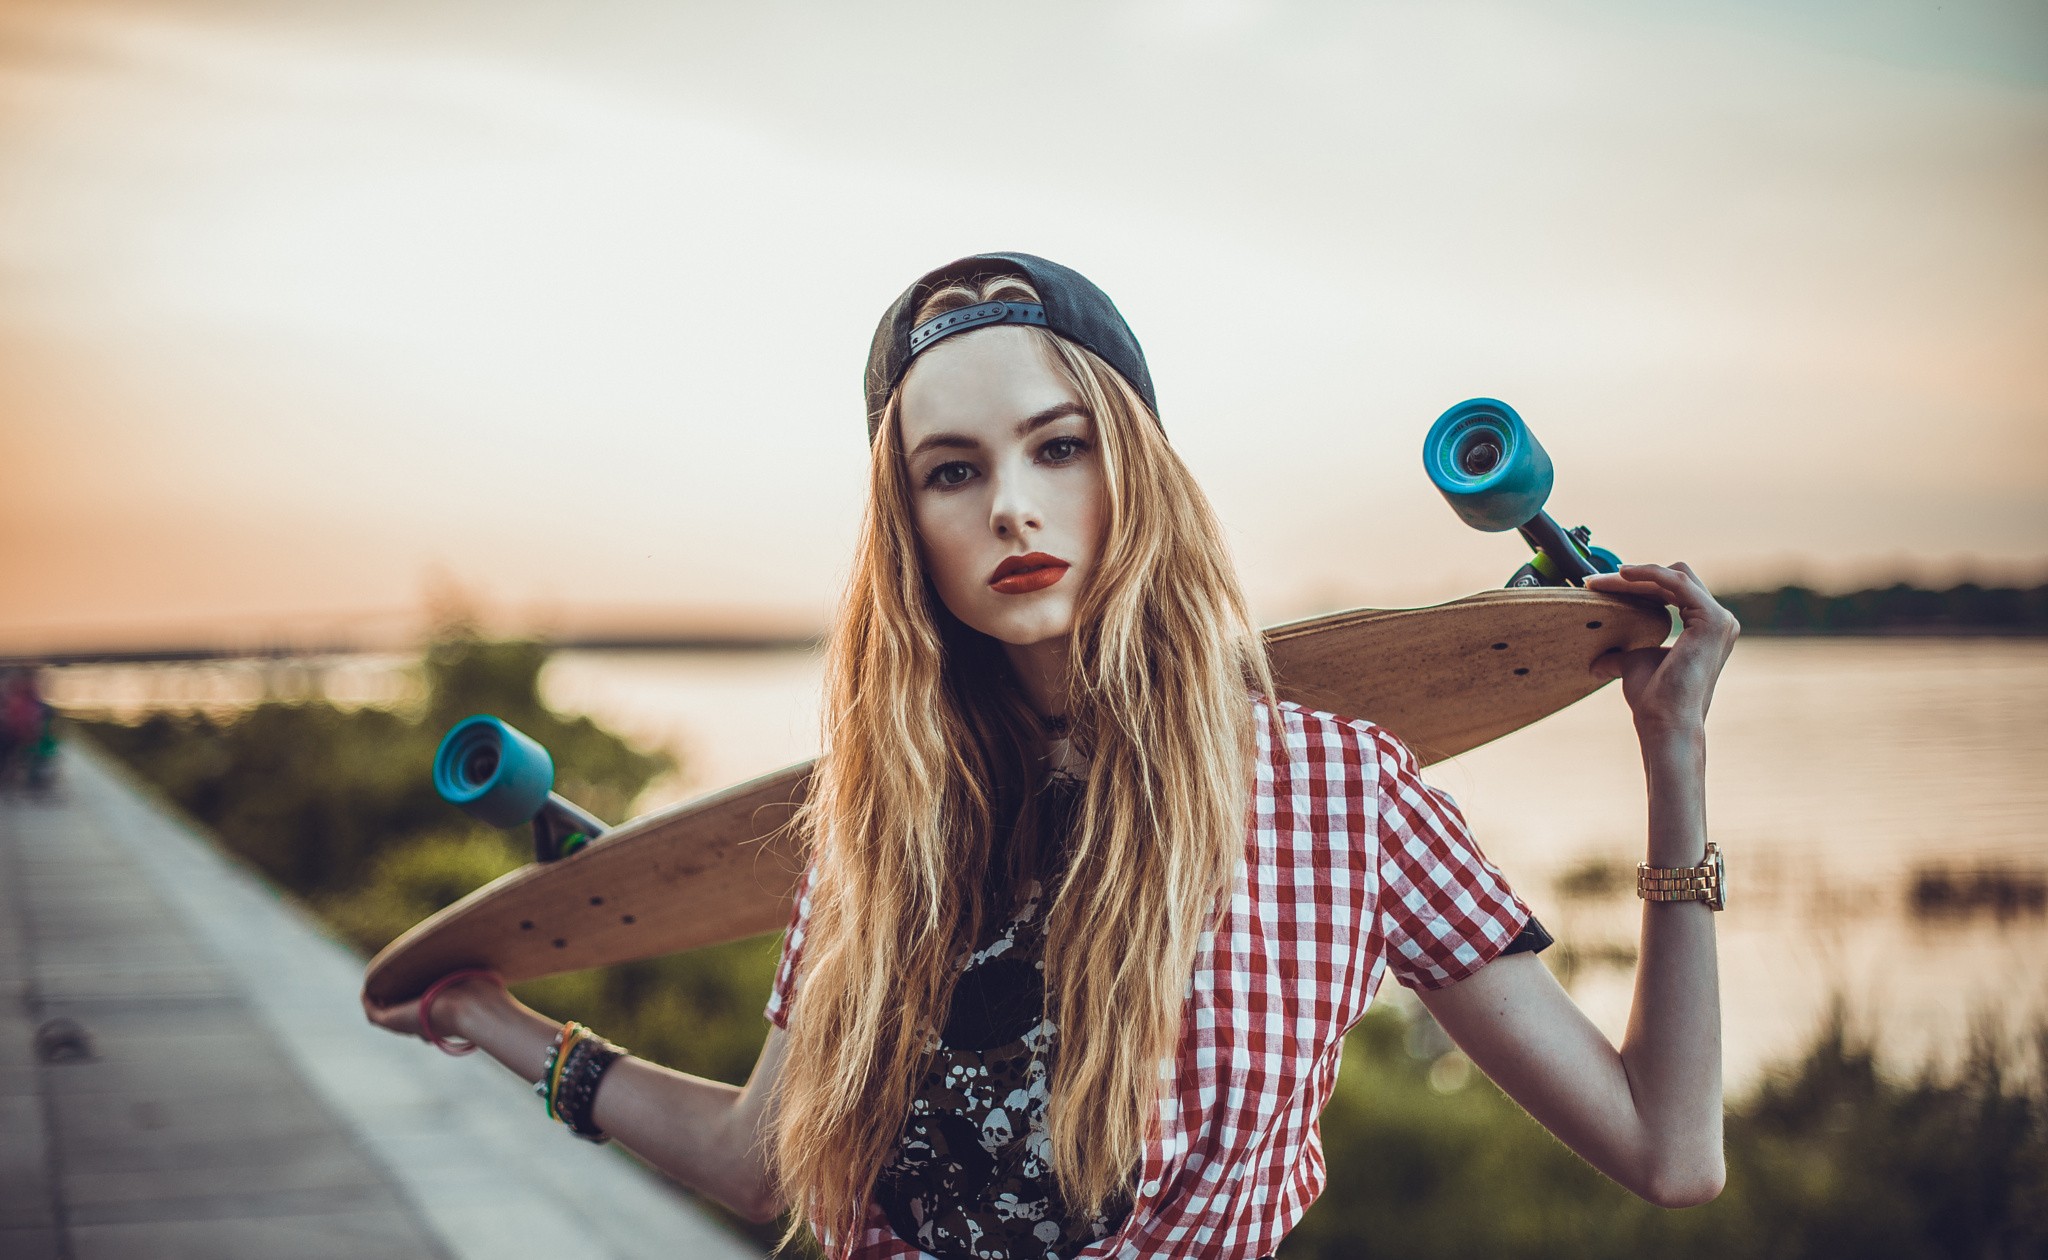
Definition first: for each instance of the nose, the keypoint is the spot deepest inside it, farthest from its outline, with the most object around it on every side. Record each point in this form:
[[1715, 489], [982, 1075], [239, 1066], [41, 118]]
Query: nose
[[1013, 509]]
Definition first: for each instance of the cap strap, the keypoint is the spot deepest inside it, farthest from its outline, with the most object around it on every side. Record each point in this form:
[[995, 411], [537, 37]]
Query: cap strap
[[967, 317]]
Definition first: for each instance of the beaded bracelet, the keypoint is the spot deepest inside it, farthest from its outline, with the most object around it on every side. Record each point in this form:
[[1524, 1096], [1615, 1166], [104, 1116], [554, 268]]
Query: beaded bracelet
[[578, 1034], [545, 1086], [576, 1096]]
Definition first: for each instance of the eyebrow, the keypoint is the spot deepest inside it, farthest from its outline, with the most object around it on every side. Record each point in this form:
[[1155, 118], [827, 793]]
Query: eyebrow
[[1036, 420]]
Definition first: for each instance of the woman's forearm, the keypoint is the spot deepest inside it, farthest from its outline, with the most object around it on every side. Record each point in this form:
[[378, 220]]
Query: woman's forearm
[[1672, 1050], [1648, 1114], [704, 1134]]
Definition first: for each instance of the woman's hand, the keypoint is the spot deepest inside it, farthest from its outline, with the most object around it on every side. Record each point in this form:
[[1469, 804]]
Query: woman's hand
[[1670, 688], [706, 1134], [451, 1005]]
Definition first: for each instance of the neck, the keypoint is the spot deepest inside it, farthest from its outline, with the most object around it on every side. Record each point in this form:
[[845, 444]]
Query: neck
[[1041, 670]]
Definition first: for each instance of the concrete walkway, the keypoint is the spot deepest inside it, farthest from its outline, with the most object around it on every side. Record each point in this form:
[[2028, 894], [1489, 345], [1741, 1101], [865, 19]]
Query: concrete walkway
[[233, 1102]]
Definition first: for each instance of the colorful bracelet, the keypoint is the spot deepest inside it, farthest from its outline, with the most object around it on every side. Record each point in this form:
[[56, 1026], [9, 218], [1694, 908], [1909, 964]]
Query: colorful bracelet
[[459, 1045], [582, 1072], [544, 1087], [577, 1035]]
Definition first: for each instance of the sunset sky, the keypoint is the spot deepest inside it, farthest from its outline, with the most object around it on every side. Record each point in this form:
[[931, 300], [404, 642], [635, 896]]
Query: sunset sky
[[310, 309]]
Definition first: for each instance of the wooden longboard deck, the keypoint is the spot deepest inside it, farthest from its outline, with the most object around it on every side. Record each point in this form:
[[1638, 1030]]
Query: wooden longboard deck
[[1444, 679]]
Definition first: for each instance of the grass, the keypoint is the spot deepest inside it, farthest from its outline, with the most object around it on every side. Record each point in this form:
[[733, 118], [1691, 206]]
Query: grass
[[1830, 1157]]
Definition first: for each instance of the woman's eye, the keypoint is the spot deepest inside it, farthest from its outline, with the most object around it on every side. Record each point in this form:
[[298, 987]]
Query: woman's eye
[[948, 475], [1063, 449]]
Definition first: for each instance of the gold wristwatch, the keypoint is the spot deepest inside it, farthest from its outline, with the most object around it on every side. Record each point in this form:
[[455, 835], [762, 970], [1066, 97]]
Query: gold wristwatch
[[1705, 882]]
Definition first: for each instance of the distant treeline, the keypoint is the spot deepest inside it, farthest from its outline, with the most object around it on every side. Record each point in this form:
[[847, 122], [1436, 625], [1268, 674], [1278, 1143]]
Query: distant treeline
[[1896, 609]]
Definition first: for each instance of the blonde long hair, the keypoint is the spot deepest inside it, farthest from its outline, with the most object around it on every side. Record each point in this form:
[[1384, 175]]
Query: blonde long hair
[[930, 754]]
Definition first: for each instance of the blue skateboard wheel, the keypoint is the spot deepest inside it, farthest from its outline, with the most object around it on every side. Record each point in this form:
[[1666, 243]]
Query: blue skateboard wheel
[[1488, 466], [493, 771]]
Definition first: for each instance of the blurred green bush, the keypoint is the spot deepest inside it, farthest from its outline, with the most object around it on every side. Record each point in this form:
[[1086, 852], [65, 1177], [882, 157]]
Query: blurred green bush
[[1829, 1158], [316, 795]]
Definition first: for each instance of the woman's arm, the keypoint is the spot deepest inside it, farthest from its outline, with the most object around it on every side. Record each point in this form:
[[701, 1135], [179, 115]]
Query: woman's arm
[[1648, 1114], [709, 1136]]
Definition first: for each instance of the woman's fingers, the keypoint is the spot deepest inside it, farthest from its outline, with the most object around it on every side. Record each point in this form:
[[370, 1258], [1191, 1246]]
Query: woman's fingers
[[399, 1017], [1615, 584], [1632, 663], [1672, 685], [1677, 583]]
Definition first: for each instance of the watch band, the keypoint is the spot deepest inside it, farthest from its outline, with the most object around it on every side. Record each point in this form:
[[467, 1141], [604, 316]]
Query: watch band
[[1705, 882]]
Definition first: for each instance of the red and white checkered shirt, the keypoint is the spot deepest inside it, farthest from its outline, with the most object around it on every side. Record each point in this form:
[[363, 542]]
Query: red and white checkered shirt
[[1353, 865]]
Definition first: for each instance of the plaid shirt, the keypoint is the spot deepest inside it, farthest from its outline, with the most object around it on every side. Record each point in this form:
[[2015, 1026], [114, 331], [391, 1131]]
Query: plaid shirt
[[1353, 866]]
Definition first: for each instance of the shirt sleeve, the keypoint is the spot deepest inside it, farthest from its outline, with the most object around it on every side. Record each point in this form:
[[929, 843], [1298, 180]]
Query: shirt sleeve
[[784, 991], [1444, 910]]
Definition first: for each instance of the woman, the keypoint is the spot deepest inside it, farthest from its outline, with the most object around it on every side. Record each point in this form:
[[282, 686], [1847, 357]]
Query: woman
[[1087, 912]]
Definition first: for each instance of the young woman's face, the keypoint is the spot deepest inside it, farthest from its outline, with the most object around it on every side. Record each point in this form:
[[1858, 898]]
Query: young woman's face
[[1006, 483]]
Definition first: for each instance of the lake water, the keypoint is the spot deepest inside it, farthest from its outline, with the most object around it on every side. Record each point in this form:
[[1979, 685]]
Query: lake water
[[1844, 775]]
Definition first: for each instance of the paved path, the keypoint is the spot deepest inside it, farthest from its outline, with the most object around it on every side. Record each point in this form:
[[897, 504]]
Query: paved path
[[234, 1103]]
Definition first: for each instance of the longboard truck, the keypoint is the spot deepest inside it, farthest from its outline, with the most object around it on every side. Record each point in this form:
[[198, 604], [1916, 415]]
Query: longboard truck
[[1497, 477], [498, 774]]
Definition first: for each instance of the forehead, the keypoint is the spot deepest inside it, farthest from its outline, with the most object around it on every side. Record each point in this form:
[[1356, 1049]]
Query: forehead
[[980, 384]]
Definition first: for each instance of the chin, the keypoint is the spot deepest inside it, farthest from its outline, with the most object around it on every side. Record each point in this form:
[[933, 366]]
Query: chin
[[1029, 628]]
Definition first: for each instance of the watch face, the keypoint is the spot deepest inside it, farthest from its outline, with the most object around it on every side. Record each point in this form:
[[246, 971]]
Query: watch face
[[1720, 880]]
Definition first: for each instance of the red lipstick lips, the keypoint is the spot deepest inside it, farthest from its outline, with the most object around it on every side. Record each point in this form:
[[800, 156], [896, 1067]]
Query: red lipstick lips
[[1021, 575]]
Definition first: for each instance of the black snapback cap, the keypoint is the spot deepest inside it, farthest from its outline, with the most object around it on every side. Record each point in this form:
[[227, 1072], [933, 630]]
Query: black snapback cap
[[1068, 303]]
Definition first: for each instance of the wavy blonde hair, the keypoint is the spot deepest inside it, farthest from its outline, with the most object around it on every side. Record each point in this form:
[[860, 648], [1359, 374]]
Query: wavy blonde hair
[[930, 755]]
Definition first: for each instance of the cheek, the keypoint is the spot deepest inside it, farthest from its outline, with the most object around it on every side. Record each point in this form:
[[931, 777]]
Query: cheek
[[946, 542]]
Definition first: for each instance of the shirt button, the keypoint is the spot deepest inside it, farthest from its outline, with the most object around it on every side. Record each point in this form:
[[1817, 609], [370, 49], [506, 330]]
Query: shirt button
[[1149, 1189]]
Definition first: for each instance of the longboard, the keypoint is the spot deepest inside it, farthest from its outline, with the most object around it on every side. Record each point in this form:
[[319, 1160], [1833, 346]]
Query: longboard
[[1445, 679]]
